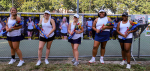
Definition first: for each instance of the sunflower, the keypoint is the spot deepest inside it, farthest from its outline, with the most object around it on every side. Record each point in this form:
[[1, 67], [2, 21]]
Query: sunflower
[[134, 22], [79, 26]]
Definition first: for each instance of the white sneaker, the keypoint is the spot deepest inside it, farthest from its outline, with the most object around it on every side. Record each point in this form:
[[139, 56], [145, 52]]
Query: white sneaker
[[101, 60], [20, 63], [92, 60], [46, 61], [38, 63], [73, 60], [123, 62], [128, 66], [12, 61]]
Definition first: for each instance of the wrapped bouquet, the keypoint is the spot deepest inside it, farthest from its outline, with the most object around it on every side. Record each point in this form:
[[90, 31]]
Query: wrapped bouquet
[[77, 27]]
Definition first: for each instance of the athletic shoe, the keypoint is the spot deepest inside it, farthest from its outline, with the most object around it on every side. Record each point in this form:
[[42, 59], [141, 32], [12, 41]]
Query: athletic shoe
[[128, 66], [73, 60], [38, 63], [92, 60], [46, 61], [101, 60], [12, 61], [76, 63], [123, 62], [20, 63]]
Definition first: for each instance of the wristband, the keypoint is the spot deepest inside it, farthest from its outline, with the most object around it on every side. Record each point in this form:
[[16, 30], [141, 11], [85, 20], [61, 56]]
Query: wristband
[[12, 29]]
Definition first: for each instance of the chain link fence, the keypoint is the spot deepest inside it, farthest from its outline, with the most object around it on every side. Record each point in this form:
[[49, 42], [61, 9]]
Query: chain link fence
[[61, 48]]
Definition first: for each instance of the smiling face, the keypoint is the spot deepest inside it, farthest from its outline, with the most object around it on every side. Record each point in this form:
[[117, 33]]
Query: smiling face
[[30, 18], [13, 11], [124, 18], [46, 15], [75, 19], [64, 19], [102, 14]]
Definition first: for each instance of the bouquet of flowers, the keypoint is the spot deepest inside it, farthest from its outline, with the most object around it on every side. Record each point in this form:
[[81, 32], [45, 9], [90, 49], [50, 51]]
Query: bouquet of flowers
[[109, 23], [40, 29], [132, 27], [14, 25], [77, 27]]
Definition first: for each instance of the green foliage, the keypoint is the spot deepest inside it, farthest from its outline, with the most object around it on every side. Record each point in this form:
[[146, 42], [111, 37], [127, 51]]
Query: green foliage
[[85, 6]]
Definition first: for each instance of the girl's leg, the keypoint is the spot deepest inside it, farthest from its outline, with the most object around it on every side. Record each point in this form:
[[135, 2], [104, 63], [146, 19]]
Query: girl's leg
[[65, 37], [48, 48], [76, 53], [72, 49], [103, 45], [95, 48], [94, 52], [12, 50], [41, 45], [127, 47], [17, 50], [123, 51], [29, 35]]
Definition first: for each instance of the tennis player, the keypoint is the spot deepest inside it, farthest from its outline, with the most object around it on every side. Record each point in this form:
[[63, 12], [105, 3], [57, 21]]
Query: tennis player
[[125, 44], [48, 26], [14, 36], [63, 27], [100, 37], [76, 39]]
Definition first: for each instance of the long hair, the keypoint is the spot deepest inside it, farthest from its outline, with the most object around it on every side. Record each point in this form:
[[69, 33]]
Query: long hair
[[15, 16]]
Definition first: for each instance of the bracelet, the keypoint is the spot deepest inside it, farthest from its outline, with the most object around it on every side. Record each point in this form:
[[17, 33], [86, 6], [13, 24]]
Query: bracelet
[[12, 29]]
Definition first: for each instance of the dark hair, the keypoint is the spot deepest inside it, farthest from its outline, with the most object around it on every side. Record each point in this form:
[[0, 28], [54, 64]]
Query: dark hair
[[117, 20], [104, 16], [15, 16]]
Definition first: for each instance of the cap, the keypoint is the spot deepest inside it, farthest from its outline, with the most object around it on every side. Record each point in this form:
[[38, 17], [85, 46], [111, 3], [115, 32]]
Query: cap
[[102, 11], [125, 14], [76, 15], [89, 18], [47, 12]]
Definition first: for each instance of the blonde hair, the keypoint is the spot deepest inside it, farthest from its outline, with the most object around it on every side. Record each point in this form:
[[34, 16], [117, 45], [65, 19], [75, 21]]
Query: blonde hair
[[15, 16]]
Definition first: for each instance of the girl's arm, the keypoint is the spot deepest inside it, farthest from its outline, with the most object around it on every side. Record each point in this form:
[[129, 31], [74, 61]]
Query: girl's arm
[[94, 25], [53, 25], [132, 30], [69, 28], [7, 29], [16, 28], [108, 27]]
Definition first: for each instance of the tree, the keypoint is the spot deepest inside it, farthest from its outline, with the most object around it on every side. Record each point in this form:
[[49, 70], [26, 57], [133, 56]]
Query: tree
[[5, 5]]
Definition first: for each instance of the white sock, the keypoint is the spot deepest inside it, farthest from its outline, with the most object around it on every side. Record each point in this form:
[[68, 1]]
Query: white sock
[[102, 57], [93, 58]]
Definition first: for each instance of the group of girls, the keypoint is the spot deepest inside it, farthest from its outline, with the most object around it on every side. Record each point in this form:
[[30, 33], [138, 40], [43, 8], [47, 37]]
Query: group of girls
[[14, 36]]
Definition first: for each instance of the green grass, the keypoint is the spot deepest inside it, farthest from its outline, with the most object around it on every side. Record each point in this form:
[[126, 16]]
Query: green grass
[[69, 67], [66, 65]]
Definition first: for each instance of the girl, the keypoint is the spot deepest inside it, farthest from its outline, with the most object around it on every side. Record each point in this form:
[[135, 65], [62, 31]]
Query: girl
[[48, 25], [125, 44], [30, 25], [100, 37], [63, 27], [14, 36], [76, 39], [1, 27]]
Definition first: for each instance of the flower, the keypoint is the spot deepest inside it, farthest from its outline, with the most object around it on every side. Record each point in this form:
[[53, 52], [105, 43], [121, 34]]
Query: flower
[[77, 23], [18, 22], [79, 26], [134, 23]]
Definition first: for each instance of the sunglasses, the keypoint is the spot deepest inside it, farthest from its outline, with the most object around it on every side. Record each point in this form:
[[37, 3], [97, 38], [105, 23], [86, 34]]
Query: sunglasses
[[75, 17]]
